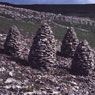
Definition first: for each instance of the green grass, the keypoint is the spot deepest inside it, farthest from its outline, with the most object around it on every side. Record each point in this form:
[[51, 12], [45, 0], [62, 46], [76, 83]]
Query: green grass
[[89, 36], [59, 30], [23, 26], [88, 33]]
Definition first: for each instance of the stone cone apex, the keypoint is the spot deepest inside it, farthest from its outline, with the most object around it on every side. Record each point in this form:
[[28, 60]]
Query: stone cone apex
[[69, 43], [83, 61], [43, 49], [11, 44]]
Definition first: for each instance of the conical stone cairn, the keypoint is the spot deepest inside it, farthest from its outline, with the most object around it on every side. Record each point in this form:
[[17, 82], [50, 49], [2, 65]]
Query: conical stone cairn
[[69, 43], [43, 49], [11, 44], [83, 61]]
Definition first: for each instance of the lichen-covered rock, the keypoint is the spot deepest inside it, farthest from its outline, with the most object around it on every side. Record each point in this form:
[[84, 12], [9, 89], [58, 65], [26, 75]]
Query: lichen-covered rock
[[43, 49], [83, 61], [69, 43], [12, 45]]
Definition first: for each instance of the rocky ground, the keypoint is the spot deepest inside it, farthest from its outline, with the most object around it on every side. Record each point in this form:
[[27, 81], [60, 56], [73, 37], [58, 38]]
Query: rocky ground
[[17, 78], [31, 15]]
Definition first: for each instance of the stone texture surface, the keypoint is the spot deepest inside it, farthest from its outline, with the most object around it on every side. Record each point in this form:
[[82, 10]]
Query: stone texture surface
[[12, 43], [69, 43], [83, 61], [19, 79], [43, 49]]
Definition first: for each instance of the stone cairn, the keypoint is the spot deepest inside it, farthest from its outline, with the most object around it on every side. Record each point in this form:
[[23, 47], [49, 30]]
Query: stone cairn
[[69, 43], [11, 44], [83, 61], [43, 49]]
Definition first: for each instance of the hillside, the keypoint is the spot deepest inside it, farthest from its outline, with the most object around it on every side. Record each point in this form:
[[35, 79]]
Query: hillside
[[84, 10], [28, 20], [31, 58]]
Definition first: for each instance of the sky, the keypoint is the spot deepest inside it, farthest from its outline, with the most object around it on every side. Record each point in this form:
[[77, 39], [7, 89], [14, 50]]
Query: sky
[[50, 1]]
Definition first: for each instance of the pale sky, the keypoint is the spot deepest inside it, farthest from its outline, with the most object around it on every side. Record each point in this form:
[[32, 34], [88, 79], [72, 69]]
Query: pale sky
[[50, 1]]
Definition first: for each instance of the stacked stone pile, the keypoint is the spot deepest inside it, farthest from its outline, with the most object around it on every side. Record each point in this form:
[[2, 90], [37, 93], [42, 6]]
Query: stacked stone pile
[[12, 43], [42, 53], [43, 49], [83, 61], [69, 43]]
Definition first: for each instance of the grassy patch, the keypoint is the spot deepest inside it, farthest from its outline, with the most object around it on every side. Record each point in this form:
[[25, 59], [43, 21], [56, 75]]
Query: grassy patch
[[22, 25], [59, 29]]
